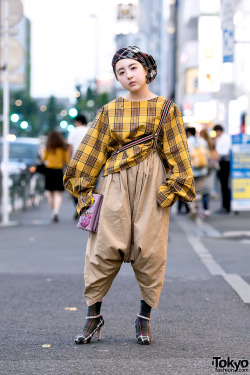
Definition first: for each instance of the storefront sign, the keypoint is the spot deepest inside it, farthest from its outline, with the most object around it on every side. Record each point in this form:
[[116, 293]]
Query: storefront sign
[[228, 41], [228, 30], [240, 172]]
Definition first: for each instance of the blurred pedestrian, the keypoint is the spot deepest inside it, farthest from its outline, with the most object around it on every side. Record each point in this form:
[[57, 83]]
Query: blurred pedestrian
[[137, 189], [213, 167], [198, 148], [223, 148], [180, 205], [76, 135], [74, 139], [55, 157]]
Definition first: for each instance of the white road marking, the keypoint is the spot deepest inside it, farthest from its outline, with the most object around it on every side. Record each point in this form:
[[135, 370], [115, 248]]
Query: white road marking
[[245, 242], [236, 234], [205, 256], [237, 283], [207, 229], [241, 287]]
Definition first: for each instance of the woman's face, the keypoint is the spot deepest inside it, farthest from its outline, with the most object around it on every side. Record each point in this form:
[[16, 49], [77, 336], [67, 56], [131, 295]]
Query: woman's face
[[131, 74]]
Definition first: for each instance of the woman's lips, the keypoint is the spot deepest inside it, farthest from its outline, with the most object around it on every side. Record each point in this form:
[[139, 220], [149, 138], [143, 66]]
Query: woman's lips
[[132, 83]]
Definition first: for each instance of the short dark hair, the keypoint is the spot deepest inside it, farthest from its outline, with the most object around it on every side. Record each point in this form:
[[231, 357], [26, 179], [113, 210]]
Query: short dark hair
[[191, 130], [81, 118], [218, 127]]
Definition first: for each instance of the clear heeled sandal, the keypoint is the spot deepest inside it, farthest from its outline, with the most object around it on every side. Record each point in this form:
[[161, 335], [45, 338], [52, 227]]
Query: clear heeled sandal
[[94, 324], [142, 328]]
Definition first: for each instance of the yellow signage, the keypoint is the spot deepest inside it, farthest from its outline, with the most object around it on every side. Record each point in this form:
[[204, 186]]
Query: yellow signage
[[241, 188]]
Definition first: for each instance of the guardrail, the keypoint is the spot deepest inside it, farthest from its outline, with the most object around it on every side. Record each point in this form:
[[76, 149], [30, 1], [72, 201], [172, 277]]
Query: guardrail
[[25, 190]]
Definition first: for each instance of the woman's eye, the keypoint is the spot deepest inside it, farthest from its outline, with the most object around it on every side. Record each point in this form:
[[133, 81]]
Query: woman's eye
[[121, 73]]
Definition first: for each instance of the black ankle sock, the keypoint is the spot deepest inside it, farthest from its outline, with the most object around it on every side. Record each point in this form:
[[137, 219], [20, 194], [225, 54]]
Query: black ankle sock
[[95, 309], [145, 309]]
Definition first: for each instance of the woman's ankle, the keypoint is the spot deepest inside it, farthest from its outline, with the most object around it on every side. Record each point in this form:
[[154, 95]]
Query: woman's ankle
[[95, 309], [145, 309]]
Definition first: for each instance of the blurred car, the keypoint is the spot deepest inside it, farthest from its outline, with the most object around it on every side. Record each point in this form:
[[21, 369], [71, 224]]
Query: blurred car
[[23, 180]]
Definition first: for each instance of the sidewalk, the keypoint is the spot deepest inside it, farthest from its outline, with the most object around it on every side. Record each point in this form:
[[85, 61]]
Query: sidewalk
[[230, 225]]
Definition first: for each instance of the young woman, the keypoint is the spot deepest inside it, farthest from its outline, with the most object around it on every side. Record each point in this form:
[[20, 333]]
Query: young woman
[[210, 179], [139, 185], [55, 157]]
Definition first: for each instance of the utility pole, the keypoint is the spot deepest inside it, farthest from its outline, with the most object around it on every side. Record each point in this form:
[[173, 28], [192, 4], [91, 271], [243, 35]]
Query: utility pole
[[96, 57], [6, 106]]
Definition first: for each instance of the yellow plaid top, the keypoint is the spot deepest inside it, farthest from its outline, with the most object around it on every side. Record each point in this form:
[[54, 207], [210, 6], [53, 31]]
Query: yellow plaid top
[[118, 123]]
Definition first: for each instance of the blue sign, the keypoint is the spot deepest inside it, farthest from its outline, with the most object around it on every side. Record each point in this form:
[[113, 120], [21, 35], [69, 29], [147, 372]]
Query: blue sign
[[228, 41], [240, 172], [240, 139]]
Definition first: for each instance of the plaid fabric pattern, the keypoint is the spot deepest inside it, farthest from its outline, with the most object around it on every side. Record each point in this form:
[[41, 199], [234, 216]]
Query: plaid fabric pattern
[[146, 138], [133, 52], [142, 328], [118, 123]]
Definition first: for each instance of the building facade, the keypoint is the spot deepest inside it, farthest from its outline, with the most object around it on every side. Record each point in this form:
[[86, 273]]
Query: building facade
[[150, 26], [212, 76]]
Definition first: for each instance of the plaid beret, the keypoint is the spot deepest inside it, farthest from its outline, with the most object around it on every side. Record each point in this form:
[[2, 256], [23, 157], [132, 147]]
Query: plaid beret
[[133, 52]]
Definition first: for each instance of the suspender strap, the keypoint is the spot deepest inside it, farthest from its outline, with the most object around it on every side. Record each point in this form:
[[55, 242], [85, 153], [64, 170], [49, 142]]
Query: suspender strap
[[146, 138], [163, 116]]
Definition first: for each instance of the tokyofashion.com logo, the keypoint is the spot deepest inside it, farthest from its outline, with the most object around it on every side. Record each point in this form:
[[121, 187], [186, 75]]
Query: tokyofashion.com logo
[[230, 365]]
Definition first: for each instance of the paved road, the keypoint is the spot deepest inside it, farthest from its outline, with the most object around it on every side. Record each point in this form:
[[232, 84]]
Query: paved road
[[203, 311]]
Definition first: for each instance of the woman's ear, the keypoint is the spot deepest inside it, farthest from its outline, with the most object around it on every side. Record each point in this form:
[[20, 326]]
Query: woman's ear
[[146, 78]]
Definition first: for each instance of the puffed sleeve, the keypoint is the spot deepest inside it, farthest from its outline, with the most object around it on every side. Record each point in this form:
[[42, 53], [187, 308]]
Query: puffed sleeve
[[84, 168], [179, 181]]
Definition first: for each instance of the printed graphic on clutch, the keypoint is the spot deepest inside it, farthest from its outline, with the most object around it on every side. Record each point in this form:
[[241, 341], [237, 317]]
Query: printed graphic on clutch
[[86, 215]]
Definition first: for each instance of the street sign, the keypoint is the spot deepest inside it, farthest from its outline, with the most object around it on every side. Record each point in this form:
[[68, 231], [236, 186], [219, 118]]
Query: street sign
[[15, 53], [15, 12], [228, 41], [227, 9], [240, 172]]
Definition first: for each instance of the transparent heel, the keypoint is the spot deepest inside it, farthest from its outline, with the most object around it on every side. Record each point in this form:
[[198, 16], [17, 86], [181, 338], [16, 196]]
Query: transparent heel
[[99, 333]]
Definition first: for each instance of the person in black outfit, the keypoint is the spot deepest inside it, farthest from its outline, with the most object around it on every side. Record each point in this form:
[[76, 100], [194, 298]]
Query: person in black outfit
[[223, 147]]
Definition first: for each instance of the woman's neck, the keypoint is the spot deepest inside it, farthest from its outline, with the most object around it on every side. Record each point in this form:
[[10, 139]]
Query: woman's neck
[[140, 95]]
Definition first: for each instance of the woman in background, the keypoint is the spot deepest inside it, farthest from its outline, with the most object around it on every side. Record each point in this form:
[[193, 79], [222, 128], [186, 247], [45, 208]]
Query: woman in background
[[213, 166], [55, 157], [198, 148]]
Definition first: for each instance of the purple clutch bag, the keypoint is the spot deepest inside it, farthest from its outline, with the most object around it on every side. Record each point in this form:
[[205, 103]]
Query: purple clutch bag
[[90, 217]]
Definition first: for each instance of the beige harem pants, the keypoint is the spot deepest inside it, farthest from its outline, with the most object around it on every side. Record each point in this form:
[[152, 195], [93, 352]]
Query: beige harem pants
[[132, 228]]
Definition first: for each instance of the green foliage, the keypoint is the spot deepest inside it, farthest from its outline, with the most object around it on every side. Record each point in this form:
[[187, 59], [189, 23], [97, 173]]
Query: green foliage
[[52, 111], [28, 111], [102, 99], [50, 119], [41, 122], [92, 101]]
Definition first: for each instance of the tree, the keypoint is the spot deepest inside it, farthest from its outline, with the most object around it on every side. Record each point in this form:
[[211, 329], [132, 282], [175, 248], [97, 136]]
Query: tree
[[51, 113], [91, 101], [26, 107]]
